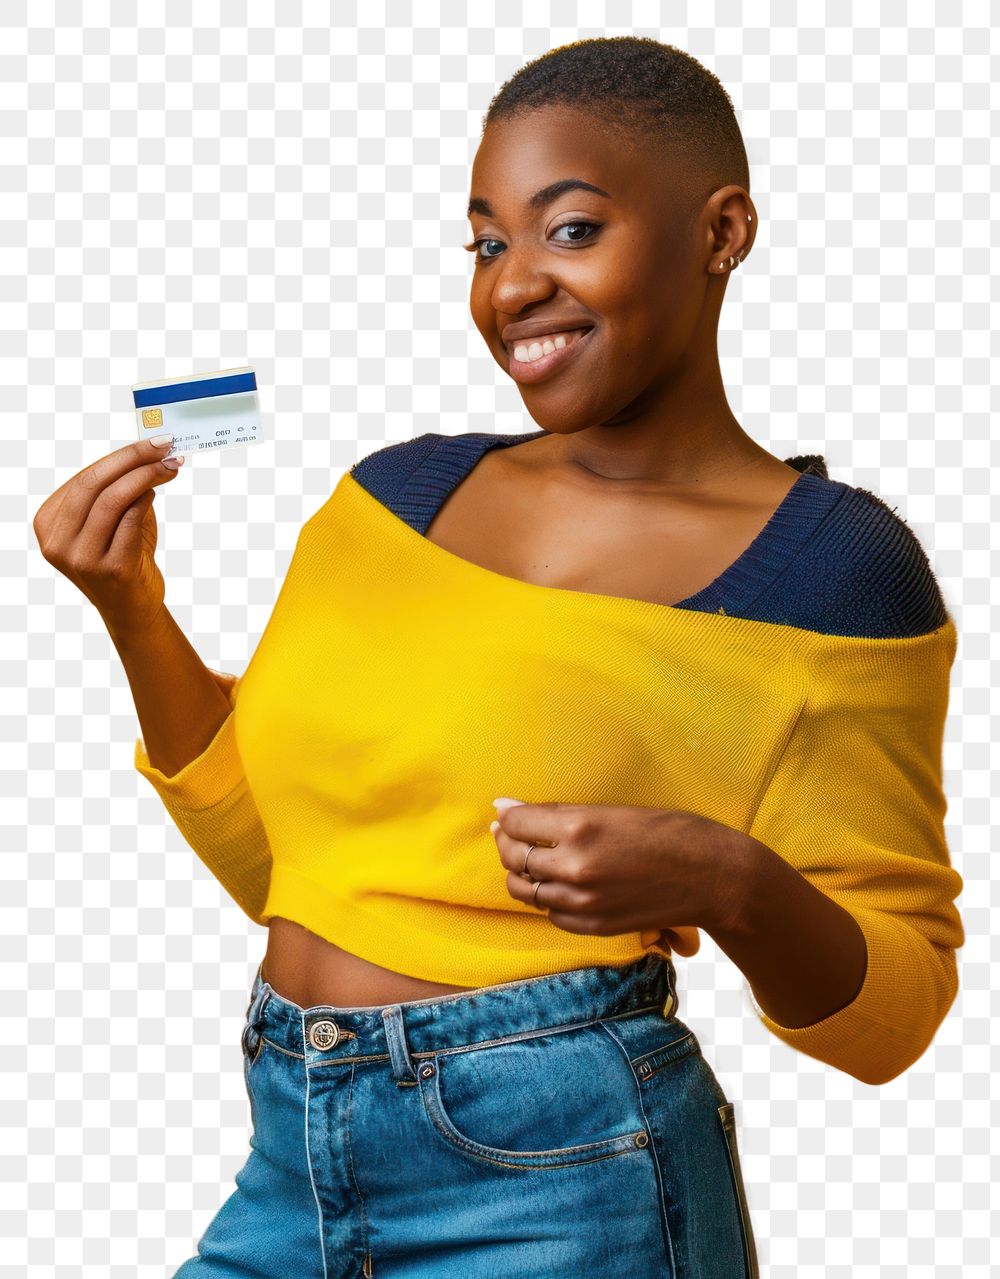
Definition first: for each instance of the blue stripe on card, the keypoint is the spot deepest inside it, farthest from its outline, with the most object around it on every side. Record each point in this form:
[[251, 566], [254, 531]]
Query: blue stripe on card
[[198, 390]]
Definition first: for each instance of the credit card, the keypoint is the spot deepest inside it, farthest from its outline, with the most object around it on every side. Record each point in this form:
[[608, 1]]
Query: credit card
[[201, 411]]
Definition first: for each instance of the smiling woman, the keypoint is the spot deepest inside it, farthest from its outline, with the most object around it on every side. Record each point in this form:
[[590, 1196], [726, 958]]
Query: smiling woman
[[463, 1045], [621, 228]]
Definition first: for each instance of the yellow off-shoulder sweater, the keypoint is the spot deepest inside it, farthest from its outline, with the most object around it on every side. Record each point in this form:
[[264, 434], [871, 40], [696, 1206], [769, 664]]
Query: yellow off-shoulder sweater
[[398, 688]]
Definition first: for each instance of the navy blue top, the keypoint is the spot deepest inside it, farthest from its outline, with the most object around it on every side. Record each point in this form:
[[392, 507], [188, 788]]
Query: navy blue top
[[832, 558]]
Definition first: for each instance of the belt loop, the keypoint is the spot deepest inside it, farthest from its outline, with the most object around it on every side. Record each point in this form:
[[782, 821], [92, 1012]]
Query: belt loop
[[399, 1052], [257, 1004], [672, 1003]]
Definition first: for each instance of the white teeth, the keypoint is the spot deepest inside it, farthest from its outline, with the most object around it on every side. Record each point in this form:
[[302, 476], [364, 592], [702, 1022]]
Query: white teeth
[[528, 352]]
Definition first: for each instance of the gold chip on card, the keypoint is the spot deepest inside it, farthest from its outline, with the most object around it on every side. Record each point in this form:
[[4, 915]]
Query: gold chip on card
[[152, 417]]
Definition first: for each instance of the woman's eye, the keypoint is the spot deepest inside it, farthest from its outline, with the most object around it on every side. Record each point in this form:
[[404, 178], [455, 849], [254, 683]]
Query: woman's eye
[[471, 248], [487, 257]]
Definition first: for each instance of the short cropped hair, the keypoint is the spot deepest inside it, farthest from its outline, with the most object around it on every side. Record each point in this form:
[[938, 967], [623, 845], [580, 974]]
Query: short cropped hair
[[641, 89]]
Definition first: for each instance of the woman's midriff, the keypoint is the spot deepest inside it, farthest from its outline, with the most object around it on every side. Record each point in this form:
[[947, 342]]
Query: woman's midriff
[[308, 970]]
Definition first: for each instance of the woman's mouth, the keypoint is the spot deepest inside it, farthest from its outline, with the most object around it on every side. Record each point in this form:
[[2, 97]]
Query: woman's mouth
[[532, 359]]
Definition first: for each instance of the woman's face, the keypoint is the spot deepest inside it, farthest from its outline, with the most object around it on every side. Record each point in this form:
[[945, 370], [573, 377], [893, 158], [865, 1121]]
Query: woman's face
[[629, 265]]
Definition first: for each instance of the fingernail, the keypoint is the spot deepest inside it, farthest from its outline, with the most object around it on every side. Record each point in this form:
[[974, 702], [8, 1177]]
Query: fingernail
[[506, 803], [174, 462], [161, 441], [494, 827]]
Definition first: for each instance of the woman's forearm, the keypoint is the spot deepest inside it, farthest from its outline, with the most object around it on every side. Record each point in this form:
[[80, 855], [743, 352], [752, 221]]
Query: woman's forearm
[[804, 956], [179, 702]]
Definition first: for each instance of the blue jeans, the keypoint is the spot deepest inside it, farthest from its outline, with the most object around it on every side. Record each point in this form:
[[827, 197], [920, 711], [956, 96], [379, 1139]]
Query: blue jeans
[[565, 1125]]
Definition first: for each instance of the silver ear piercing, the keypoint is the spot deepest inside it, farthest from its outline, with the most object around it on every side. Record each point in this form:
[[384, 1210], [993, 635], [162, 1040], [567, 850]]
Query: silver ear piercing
[[738, 258]]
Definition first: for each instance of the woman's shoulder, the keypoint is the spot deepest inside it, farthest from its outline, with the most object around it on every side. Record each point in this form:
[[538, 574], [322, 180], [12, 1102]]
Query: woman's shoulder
[[413, 478], [864, 571], [386, 470]]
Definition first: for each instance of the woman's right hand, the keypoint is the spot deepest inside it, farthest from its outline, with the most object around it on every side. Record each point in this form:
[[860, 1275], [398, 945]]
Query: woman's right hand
[[99, 530]]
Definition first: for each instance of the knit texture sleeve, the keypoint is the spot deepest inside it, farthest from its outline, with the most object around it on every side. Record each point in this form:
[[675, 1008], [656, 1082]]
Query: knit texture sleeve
[[212, 806], [856, 806]]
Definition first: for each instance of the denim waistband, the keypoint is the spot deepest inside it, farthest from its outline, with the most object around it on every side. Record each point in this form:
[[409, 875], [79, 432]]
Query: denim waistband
[[327, 1033]]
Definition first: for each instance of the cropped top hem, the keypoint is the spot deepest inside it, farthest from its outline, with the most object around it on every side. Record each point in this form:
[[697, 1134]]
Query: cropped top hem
[[398, 937]]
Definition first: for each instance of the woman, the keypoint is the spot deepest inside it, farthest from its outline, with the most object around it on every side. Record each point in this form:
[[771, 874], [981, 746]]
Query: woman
[[704, 688]]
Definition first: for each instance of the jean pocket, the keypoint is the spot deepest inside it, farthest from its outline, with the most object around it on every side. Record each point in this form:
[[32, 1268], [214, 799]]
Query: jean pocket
[[727, 1118], [546, 1099], [651, 1043]]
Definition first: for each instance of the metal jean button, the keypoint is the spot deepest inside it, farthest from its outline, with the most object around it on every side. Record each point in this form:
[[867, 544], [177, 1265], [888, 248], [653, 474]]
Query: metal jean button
[[324, 1034]]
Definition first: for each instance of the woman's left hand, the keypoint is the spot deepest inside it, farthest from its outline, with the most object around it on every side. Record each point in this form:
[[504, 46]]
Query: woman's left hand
[[609, 869]]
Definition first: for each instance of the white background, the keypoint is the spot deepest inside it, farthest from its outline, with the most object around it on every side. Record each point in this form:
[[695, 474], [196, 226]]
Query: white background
[[225, 186]]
